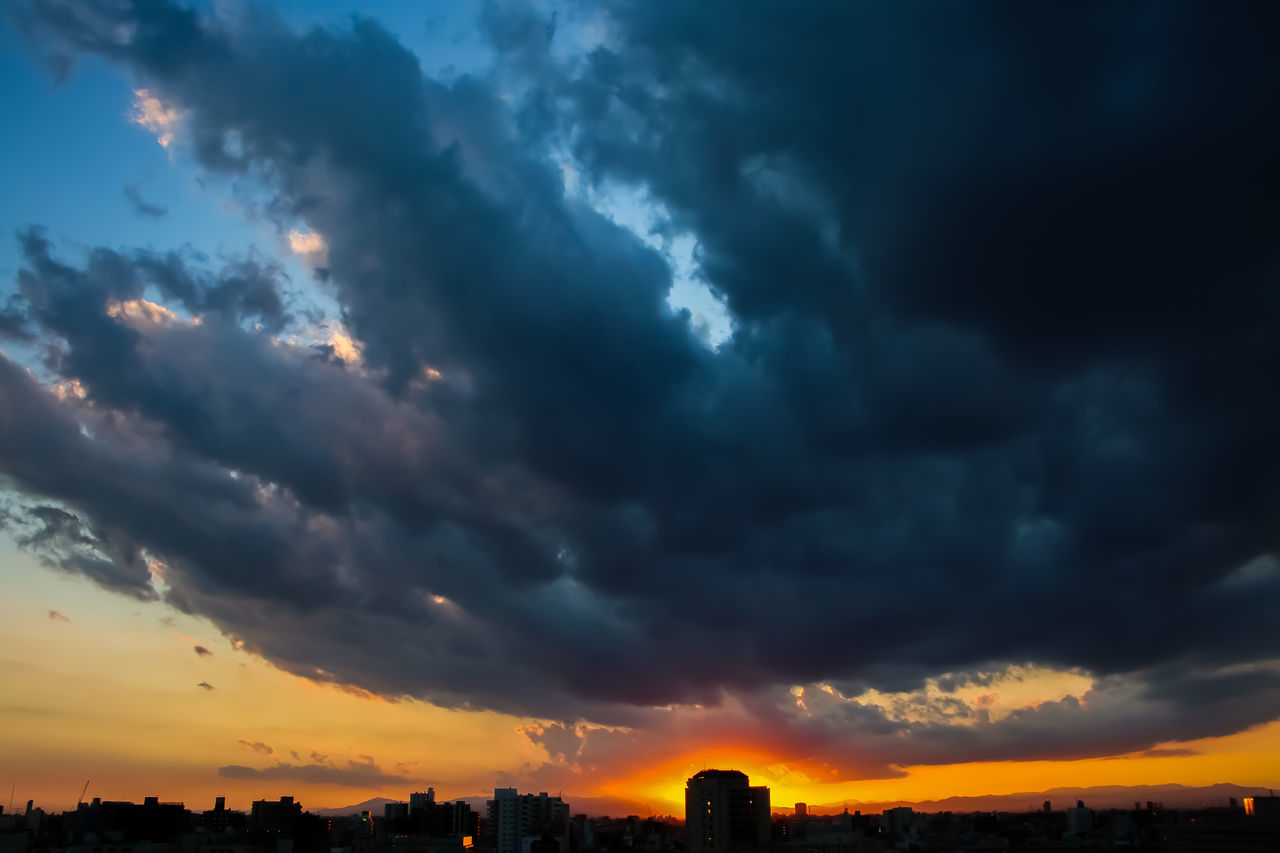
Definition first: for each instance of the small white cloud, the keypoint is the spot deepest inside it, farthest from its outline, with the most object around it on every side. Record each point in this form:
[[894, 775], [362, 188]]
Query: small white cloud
[[141, 309], [150, 112], [309, 245], [346, 348], [69, 389], [426, 377]]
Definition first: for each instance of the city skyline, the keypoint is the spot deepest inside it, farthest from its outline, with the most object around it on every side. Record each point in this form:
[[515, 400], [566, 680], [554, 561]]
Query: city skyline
[[876, 399], [724, 813], [708, 791]]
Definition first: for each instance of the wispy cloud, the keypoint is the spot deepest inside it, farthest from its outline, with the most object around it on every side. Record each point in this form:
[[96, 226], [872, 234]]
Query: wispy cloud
[[140, 205], [364, 773], [1161, 752], [58, 617], [256, 746]]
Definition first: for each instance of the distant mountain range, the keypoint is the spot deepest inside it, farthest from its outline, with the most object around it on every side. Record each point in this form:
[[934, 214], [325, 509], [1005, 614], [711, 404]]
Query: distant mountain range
[[375, 806], [1100, 797]]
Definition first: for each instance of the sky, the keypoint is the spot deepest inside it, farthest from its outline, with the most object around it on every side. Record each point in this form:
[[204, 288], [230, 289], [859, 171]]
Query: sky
[[875, 398]]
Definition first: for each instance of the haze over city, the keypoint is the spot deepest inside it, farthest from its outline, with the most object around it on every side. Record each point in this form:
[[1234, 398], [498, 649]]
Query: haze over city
[[878, 399]]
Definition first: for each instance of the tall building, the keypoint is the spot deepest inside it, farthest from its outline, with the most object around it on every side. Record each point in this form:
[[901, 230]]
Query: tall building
[[455, 820], [514, 817], [723, 812], [422, 800]]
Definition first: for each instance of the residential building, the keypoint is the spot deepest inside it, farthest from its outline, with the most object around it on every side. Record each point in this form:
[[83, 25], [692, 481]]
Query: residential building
[[724, 812], [514, 817]]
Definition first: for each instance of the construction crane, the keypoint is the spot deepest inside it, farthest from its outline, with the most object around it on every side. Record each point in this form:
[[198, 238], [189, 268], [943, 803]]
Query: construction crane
[[80, 799]]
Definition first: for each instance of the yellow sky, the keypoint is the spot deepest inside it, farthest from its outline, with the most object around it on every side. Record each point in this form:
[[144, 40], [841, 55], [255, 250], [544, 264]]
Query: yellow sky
[[111, 694]]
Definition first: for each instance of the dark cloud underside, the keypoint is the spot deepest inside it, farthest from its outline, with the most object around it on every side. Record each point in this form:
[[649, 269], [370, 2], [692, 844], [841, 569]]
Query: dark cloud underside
[[1000, 386]]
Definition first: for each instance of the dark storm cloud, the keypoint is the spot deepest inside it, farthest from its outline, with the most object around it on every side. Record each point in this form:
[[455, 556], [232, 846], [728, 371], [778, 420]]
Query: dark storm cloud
[[64, 541], [356, 774], [999, 389]]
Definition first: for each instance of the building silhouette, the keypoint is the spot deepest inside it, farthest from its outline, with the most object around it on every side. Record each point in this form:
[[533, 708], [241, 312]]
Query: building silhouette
[[421, 801], [276, 817], [518, 820], [724, 812], [1265, 807]]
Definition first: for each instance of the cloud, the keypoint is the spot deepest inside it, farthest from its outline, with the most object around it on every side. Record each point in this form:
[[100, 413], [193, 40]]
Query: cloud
[[256, 746], [201, 651], [1166, 753], [305, 244], [206, 685], [344, 348], [13, 324], [151, 113], [308, 245], [140, 206], [66, 542], [355, 774], [995, 403], [58, 617]]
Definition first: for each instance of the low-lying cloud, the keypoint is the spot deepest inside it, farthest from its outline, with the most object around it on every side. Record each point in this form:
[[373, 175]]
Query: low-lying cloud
[[355, 774]]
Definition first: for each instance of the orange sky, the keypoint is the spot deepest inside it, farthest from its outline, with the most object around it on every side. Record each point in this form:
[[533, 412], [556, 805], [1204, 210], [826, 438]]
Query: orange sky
[[110, 694]]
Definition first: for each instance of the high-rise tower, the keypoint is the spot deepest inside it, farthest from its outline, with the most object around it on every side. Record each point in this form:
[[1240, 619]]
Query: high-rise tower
[[724, 813]]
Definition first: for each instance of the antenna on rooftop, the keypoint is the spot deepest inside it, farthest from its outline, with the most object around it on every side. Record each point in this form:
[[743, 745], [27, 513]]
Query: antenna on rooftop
[[11, 787]]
